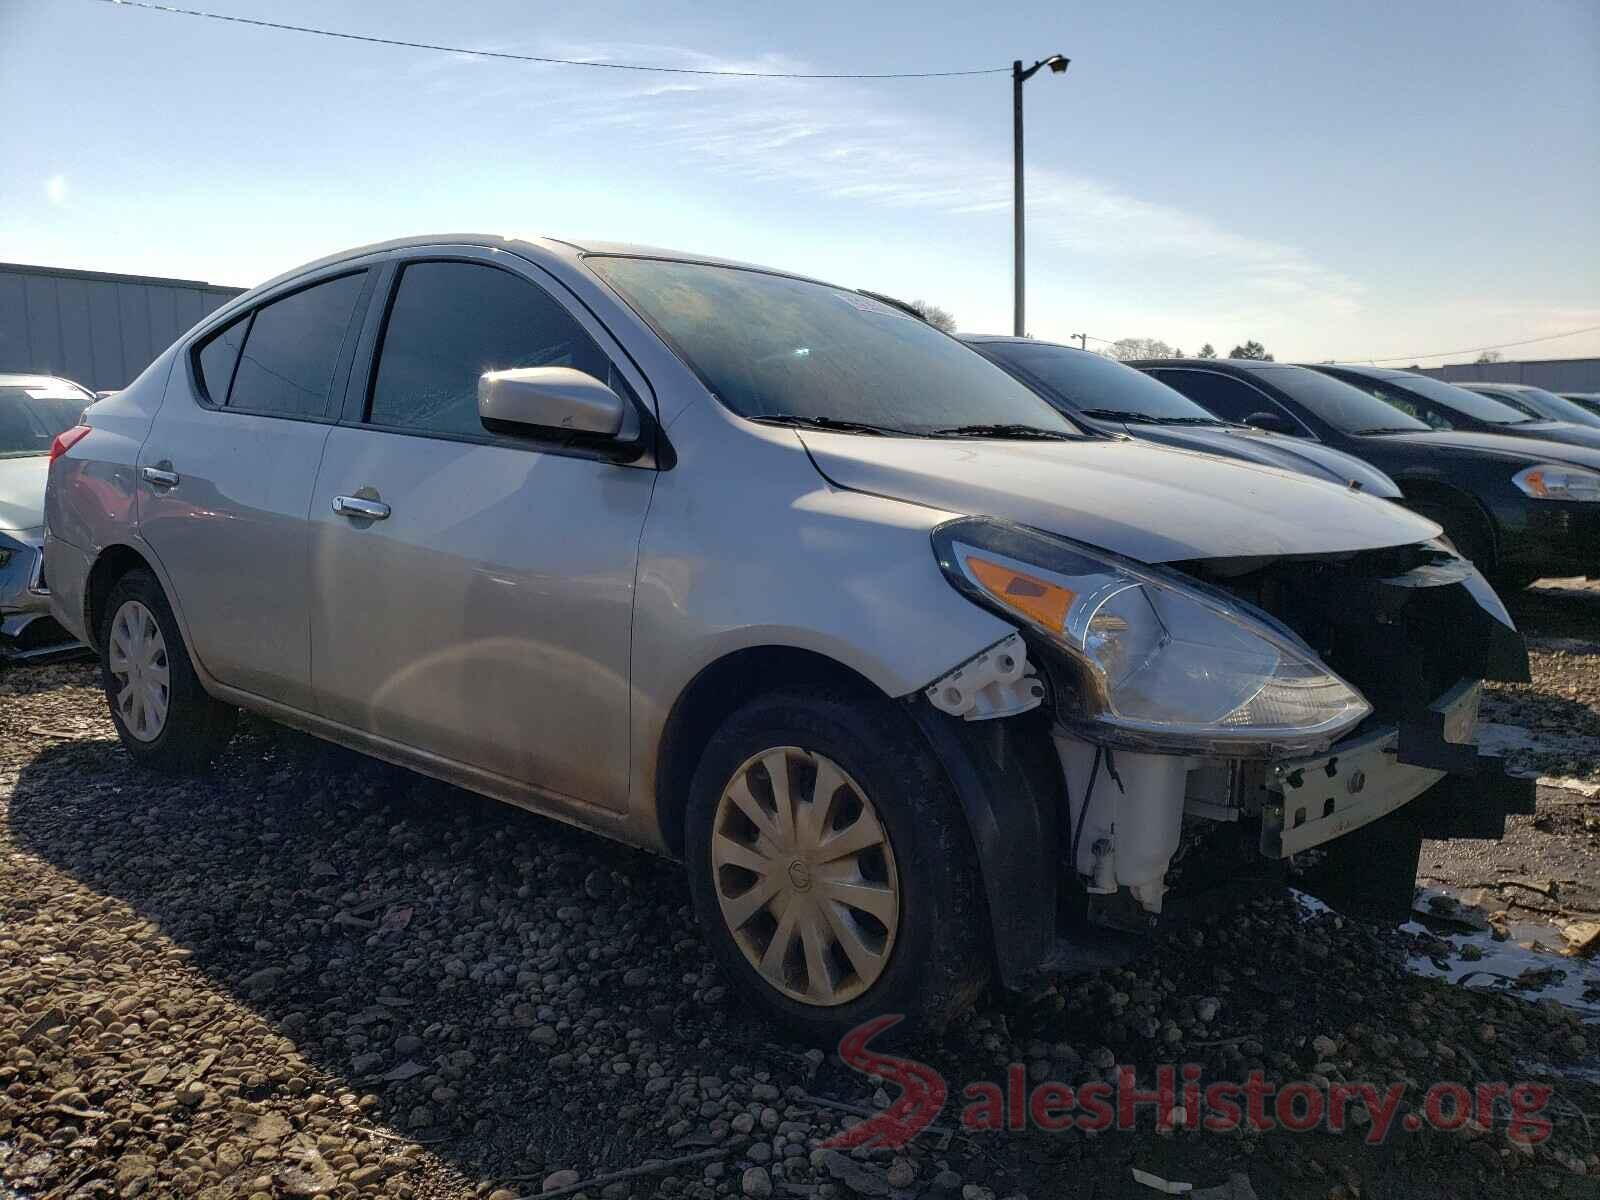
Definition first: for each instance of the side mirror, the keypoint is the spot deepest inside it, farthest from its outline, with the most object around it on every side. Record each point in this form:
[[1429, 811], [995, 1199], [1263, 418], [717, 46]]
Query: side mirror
[[549, 401], [1270, 421]]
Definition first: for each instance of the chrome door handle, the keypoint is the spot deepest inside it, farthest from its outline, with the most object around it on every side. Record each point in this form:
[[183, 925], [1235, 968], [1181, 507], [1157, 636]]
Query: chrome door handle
[[160, 477], [355, 506]]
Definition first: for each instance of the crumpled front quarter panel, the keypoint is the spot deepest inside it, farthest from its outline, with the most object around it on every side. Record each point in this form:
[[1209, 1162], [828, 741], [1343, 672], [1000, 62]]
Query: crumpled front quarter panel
[[746, 545]]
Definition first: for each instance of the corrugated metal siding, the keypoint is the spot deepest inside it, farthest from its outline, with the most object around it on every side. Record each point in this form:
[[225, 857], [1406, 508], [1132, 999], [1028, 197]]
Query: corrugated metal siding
[[1552, 374], [98, 329]]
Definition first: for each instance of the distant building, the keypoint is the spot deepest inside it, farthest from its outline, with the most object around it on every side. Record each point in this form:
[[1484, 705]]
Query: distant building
[[93, 327], [1552, 374]]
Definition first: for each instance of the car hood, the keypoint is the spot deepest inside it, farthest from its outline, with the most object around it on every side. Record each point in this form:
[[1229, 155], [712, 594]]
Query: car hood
[[1493, 445], [1273, 450], [1148, 502], [22, 491], [1561, 431]]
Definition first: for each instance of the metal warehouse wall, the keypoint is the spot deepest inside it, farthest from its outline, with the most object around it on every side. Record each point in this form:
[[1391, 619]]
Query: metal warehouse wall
[[1552, 374], [92, 327]]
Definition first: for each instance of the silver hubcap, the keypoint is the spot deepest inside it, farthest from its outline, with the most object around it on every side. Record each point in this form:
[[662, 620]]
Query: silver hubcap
[[138, 658], [805, 876]]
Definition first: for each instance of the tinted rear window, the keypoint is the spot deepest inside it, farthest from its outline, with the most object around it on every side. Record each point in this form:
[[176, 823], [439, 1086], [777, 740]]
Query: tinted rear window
[[1091, 381], [292, 350], [30, 417]]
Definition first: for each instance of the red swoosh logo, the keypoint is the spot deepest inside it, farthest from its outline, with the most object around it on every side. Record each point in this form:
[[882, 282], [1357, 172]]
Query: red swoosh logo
[[921, 1097]]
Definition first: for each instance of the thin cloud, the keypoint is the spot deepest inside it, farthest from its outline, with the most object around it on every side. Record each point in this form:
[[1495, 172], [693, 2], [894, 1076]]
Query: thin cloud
[[847, 142]]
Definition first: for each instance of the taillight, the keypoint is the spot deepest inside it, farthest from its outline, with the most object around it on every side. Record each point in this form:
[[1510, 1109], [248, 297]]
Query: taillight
[[67, 439]]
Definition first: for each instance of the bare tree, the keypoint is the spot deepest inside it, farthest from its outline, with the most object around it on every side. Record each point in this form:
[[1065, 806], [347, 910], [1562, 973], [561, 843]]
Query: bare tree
[[1138, 347], [1489, 356], [939, 318]]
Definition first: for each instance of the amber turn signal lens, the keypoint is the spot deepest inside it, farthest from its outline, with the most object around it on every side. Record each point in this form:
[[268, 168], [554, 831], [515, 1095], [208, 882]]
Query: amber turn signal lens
[[1039, 601]]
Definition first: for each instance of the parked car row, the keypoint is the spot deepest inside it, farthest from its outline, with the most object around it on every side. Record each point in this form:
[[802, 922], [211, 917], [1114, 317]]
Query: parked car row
[[1517, 505], [927, 680]]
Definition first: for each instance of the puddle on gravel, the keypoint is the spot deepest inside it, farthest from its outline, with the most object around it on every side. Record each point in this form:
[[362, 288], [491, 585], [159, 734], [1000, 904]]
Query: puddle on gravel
[[1527, 964]]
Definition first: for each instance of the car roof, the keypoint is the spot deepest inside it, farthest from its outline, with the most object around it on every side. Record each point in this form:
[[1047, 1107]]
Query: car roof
[[1235, 364], [35, 381], [545, 244], [992, 339]]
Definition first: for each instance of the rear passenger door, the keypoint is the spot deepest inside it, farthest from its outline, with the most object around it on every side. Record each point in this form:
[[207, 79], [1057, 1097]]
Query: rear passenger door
[[483, 615], [226, 476]]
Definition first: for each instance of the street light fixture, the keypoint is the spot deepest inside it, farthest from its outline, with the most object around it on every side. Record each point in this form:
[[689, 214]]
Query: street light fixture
[[1020, 75]]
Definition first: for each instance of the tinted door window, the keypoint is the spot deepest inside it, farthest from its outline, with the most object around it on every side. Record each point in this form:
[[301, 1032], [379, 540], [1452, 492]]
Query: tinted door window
[[217, 359], [451, 322], [292, 350], [1221, 395]]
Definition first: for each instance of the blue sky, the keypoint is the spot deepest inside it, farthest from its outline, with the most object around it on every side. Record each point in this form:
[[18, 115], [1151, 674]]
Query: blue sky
[[1337, 180]]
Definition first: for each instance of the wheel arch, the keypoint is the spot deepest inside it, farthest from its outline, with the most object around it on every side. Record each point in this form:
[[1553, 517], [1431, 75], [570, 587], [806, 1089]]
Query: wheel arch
[[1435, 491], [712, 696], [110, 565], [1002, 773]]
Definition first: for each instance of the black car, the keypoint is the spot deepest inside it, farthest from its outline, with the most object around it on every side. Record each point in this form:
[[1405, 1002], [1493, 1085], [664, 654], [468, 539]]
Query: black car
[[1114, 398], [1445, 406], [1518, 507], [1534, 401]]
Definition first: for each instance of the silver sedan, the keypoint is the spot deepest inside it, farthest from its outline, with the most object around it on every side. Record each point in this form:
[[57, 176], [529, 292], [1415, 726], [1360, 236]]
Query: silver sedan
[[919, 678]]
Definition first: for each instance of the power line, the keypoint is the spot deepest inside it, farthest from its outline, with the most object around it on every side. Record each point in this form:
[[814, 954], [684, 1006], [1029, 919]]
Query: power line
[[538, 58], [1475, 349]]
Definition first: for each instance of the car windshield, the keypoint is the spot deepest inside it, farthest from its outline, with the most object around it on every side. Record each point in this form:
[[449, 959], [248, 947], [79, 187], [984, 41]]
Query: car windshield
[[775, 348], [1481, 408], [32, 415], [1554, 407], [1347, 408], [1097, 385]]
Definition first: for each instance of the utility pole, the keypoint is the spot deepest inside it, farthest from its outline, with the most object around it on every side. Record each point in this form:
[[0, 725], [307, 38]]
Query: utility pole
[[1083, 340], [1019, 76]]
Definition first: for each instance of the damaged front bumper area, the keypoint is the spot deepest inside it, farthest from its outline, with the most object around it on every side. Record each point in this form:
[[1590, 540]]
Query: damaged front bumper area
[[1090, 844]]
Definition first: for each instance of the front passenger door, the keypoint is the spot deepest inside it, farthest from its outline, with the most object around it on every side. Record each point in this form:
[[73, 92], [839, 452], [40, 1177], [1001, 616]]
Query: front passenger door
[[484, 615]]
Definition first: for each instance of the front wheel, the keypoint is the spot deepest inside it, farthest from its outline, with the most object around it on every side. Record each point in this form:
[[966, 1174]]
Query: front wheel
[[831, 866], [164, 717], [1464, 530]]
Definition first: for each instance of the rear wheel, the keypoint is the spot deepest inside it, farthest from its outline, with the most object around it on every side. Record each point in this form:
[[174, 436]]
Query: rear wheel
[[163, 716], [831, 866]]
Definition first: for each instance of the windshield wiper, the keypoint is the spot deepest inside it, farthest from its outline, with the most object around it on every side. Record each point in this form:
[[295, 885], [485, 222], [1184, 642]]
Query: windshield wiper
[[1392, 429], [1017, 432], [1117, 414], [832, 425]]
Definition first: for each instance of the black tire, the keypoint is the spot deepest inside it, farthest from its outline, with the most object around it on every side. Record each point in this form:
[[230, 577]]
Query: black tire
[[1465, 529], [938, 963], [196, 727]]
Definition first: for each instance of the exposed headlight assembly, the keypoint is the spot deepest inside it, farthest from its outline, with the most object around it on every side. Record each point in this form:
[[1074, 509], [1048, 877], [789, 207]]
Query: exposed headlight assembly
[[1550, 481], [1155, 661]]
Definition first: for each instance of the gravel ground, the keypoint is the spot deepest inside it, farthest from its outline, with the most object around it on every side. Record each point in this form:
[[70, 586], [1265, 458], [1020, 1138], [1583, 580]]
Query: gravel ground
[[312, 974]]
